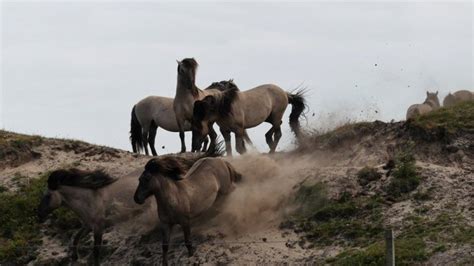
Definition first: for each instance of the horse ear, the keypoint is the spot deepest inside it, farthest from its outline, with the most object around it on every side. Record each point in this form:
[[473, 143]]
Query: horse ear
[[436, 92], [427, 93]]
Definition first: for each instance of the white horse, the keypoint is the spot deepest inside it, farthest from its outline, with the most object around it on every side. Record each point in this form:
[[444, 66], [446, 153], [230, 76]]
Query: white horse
[[457, 97], [431, 103]]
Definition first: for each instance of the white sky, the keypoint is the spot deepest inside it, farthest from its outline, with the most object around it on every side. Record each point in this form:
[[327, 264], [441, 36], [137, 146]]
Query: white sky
[[74, 70]]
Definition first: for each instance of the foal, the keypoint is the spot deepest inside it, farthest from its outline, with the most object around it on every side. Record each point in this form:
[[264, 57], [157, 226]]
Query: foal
[[179, 199]]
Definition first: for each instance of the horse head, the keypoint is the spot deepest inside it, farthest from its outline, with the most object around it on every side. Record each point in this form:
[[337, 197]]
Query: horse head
[[203, 111], [51, 199], [155, 170], [187, 72], [432, 99]]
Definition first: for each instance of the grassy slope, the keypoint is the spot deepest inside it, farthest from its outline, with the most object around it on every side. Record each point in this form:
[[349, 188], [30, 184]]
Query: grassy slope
[[357, 223], [458, 117]]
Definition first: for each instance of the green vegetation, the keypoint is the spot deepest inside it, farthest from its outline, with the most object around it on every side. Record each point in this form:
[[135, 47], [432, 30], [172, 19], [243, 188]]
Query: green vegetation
[[18, 225], [19, 229], [411, 245], [345, 221], [407, 252], [367, 175], [460, 116], [17, 147], [405, 177]]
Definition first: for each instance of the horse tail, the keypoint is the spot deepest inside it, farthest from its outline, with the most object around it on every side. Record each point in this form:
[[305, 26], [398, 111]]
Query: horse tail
[[136, 137], [235, 176], [298, 103]]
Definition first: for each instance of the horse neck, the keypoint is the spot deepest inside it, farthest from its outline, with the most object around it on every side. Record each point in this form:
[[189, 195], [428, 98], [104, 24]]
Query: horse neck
[[185, 90], [84, 202], [166, 195], [433, 103]]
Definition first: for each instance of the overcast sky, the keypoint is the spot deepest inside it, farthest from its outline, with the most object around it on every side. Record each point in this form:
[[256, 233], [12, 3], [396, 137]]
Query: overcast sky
[[75, 70]]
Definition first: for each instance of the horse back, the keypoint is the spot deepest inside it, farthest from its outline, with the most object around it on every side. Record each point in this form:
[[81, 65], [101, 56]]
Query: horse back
[[259, 103], [418, 109], [463, 95]]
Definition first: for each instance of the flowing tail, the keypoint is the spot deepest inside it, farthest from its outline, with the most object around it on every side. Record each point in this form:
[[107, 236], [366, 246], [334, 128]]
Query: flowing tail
[[235, 176], [297, 101], [136, 133]]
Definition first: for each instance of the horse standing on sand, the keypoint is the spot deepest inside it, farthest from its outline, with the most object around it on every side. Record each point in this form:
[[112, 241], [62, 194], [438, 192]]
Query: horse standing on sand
[[156, 111], [458, 97], [186, 94], [93, 196], [86, 193], [179, 199], [234, 111], [431, 103]]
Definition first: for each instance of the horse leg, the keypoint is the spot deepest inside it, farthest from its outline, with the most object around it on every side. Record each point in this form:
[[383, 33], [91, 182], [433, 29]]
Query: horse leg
[[145, 139], [212, 136], [187, 239], [247, 138], [97, 245], [204, 144], [239, 141], [165, 241], [269, 137], [228, 145], [276, 138], [151, 138], [75, 242]]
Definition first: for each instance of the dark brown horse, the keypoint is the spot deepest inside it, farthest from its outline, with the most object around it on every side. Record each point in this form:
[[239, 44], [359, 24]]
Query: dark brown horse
[[181, 197]]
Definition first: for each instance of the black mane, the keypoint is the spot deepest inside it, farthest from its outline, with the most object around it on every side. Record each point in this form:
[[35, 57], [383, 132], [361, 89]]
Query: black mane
[[79, 178], [228, 96], [222, 85], [169, 166]]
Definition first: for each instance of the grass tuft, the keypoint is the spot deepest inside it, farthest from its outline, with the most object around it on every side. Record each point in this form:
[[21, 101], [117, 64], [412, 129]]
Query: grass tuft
[[367, 175], [405, 177]]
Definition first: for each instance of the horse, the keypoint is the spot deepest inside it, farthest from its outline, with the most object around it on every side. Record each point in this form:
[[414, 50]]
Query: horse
[[431, 103], [93, 195], [187, 93], [234, 111], [181, 198], [153, 112], [457, 97]]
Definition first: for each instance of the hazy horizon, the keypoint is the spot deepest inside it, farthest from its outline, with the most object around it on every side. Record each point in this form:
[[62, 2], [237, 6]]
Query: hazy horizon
[[75, 70]]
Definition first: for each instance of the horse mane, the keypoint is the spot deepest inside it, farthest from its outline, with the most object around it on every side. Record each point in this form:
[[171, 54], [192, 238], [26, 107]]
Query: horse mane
[[174, 167], [227, 97], [79, 178], [190, 63], [169, 166], [222, 85]]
